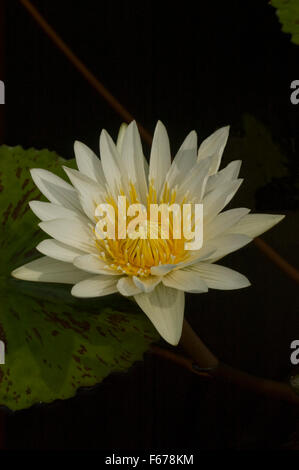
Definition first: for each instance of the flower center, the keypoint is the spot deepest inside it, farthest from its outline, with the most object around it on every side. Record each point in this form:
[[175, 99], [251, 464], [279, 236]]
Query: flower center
[[150, 243]]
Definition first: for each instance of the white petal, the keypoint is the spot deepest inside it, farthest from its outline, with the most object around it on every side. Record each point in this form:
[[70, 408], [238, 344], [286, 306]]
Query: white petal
[[195, 182], [126, 286], [229, 173], [120, 137], [185, 280], [93, 264], [55, 189], [225, 244], [214, 144], [254, 225], [72, 232], [49, 211], [132, 156], [90, 192], [219, 277], [96, 286], [46, 269], [223, 222], [206, 252], [162, 269], [111, 163], [146, 284], [195, 256], [160, 159], [184, 160], [88, 163], [165, 308], [216, 200], [58, 250]]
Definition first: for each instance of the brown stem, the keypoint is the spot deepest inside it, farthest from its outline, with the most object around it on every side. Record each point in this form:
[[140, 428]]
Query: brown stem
[[270, 388], [286, 267], [87, 74], [211, 366], [193, 345], [179, 359]]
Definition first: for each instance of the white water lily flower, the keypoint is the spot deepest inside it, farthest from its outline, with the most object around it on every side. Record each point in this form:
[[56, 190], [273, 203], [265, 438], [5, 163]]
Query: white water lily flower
[[156, 272]]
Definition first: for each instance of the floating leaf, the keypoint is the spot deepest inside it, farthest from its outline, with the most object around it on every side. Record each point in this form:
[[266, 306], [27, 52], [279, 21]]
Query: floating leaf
[[54, 343], [288, 14]]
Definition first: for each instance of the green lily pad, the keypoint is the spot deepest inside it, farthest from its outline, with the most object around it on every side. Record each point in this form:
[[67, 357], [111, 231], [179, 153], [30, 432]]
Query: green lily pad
[[288, 14], [54, 343]]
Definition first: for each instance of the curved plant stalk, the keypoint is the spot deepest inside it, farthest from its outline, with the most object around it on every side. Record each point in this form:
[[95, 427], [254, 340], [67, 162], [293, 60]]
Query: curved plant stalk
[[202, 361], [81, 67], [275, 257]]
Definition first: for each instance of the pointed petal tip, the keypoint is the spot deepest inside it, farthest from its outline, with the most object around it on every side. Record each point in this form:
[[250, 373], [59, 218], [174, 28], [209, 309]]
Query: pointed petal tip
[[172, 336], [79, 146], [244, 282], [133, 127], [22, 273], [254, 225], [74, 292], [131, 124], [165, 309], [120, 136], [69, 171], [276, 218], [33, 172], [106, 140], [279, 217], [15, 273], [103, 135], [160, 124], [37, 173], [173, 341], [225, 129]]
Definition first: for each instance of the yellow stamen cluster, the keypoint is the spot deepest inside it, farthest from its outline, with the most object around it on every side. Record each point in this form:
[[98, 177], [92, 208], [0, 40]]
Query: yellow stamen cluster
[[135, 257]]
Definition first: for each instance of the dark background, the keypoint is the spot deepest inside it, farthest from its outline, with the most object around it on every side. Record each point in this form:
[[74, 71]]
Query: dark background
[[193, 68]]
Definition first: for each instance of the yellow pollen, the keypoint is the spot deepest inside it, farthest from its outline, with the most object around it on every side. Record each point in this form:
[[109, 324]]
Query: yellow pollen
[[136, 256]]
